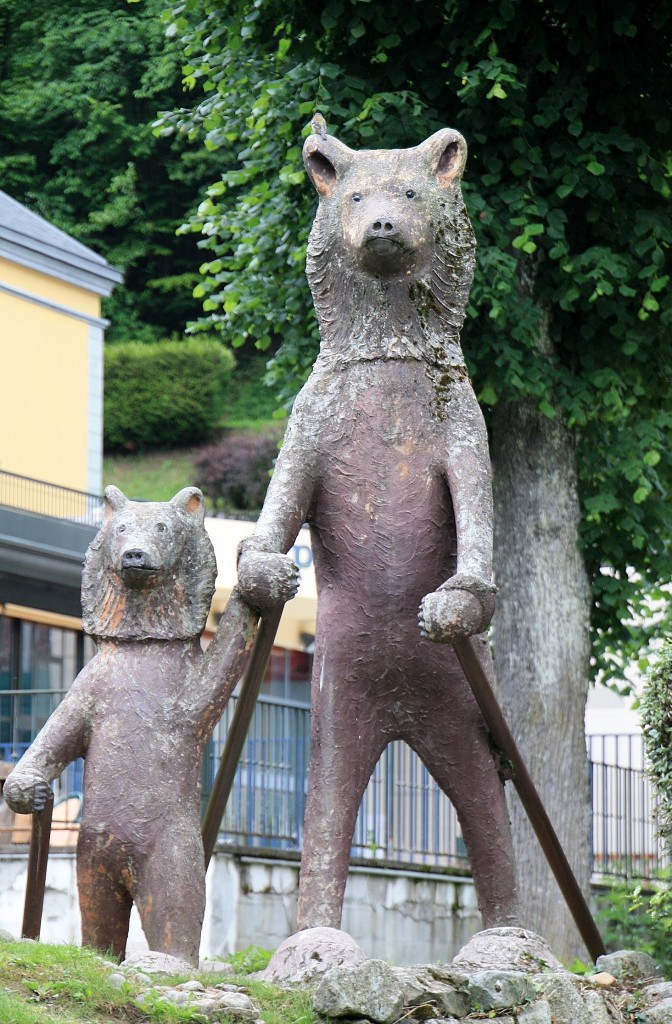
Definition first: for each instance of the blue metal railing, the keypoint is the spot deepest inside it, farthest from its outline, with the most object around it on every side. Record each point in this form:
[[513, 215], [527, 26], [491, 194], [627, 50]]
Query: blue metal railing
[[404, 817]]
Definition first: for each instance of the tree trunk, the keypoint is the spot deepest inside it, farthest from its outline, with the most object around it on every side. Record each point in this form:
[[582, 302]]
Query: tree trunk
[[542, 651]]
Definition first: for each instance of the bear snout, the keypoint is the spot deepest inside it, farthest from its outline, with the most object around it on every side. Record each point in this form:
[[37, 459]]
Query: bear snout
[[135, 559]]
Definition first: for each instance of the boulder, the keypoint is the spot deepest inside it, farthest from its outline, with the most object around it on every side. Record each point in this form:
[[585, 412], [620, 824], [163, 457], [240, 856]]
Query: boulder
[[303, 958], [369, 990], [507, 949]]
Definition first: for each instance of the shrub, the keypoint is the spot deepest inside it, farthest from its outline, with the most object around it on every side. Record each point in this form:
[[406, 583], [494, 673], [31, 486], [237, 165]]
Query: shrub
[[235, 472], [655, 711], [633, 918], [164, 395]]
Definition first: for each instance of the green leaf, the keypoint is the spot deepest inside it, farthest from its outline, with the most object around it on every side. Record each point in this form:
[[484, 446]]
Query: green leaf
[[497, 92], [594, 167]]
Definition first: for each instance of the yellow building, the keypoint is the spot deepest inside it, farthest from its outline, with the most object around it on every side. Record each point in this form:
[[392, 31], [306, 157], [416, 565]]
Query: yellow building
[[51, 342]]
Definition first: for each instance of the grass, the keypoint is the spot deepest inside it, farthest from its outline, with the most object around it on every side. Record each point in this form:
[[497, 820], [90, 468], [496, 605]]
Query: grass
[[44, 984], [155, 476]]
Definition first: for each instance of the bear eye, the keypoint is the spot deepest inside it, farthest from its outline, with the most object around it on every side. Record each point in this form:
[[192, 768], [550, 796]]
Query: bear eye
[[121, 529], [161, 527], [356, 198], [410, 193]]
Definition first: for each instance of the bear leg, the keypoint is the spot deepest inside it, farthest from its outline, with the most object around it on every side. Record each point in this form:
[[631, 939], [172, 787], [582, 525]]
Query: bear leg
[[345, 745], [170, 894], [104, 899]]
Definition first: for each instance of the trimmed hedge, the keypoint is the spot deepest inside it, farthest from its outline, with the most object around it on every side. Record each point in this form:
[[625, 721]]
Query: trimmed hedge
[[164, 395]]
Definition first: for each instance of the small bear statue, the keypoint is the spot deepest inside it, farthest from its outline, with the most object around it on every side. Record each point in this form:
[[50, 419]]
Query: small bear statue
[[140, 713], [386, 458]]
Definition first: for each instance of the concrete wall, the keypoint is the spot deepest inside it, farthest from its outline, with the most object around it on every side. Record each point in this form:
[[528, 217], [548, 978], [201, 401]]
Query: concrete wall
[[405, 917]]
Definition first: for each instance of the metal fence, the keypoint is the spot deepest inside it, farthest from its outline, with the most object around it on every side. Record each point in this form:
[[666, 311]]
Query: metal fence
[[22, 492], [404, 817]]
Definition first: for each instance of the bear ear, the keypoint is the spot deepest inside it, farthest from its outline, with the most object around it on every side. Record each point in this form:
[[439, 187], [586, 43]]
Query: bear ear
[[114, 500], [446, 154], [191, 501], [326, 160]]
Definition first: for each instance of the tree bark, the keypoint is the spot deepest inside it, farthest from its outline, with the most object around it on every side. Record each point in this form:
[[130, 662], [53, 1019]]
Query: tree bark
[[542, 650]]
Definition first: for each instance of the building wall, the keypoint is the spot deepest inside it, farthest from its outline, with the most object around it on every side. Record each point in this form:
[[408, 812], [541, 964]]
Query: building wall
[[401, 916], [51, 338]]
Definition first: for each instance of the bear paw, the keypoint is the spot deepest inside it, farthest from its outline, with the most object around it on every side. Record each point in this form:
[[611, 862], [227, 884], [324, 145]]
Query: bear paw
[[462, 606], [267, 578], [25, 792]]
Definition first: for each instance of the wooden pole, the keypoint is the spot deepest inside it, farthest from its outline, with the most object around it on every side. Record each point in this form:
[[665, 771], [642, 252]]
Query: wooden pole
[[481, 687], [240, 724], [38, 856]]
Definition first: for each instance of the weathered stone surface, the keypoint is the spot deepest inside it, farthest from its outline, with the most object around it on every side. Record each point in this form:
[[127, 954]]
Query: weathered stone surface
[[500, 990], [597, 1011], [6, 936], [629, 965], [535, 1013], [305, 957], [215, 967], [659, 1013], [238, 1006], [369, 990], [152, 963], [421, 986], [507, 949], [564, 998], [659, 990]]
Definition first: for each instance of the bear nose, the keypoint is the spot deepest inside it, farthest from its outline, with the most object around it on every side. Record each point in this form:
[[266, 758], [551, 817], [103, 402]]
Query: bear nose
[[134, 559], [382, 226]]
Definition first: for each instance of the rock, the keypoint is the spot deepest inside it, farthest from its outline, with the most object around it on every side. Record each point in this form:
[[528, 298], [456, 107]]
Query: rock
[[238, 1006], [118, 980], [661, 1013], [507, 949], [154, 963], [535, 1013], [628, 965], [215, 967], [191, 986], [421, 987], [596, 1010], [305, 957], [603, 979], [659, 990], [500, 990], [6, 936], [564, 998], [368, 990]]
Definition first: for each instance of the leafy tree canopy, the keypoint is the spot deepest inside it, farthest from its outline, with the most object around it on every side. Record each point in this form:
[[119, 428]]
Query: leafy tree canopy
[[566, 108], [82, 81]]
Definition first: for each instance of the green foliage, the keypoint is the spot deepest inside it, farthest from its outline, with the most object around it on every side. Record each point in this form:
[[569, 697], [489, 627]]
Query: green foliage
[[235, 472], [164, 395], [633, 918], [82, 81], [567, 111], [655, 711], [250, 959]]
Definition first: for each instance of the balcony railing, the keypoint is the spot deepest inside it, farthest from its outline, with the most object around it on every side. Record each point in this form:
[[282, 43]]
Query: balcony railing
[[37, 496]]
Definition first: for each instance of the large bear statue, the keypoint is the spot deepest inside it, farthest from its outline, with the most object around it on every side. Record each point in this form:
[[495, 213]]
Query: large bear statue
[[386, 457], [140, 713]]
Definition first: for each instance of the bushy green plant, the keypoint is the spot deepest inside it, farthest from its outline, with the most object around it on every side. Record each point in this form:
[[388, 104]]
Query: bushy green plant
[[634, 918], [656, 716], [164, 395]]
